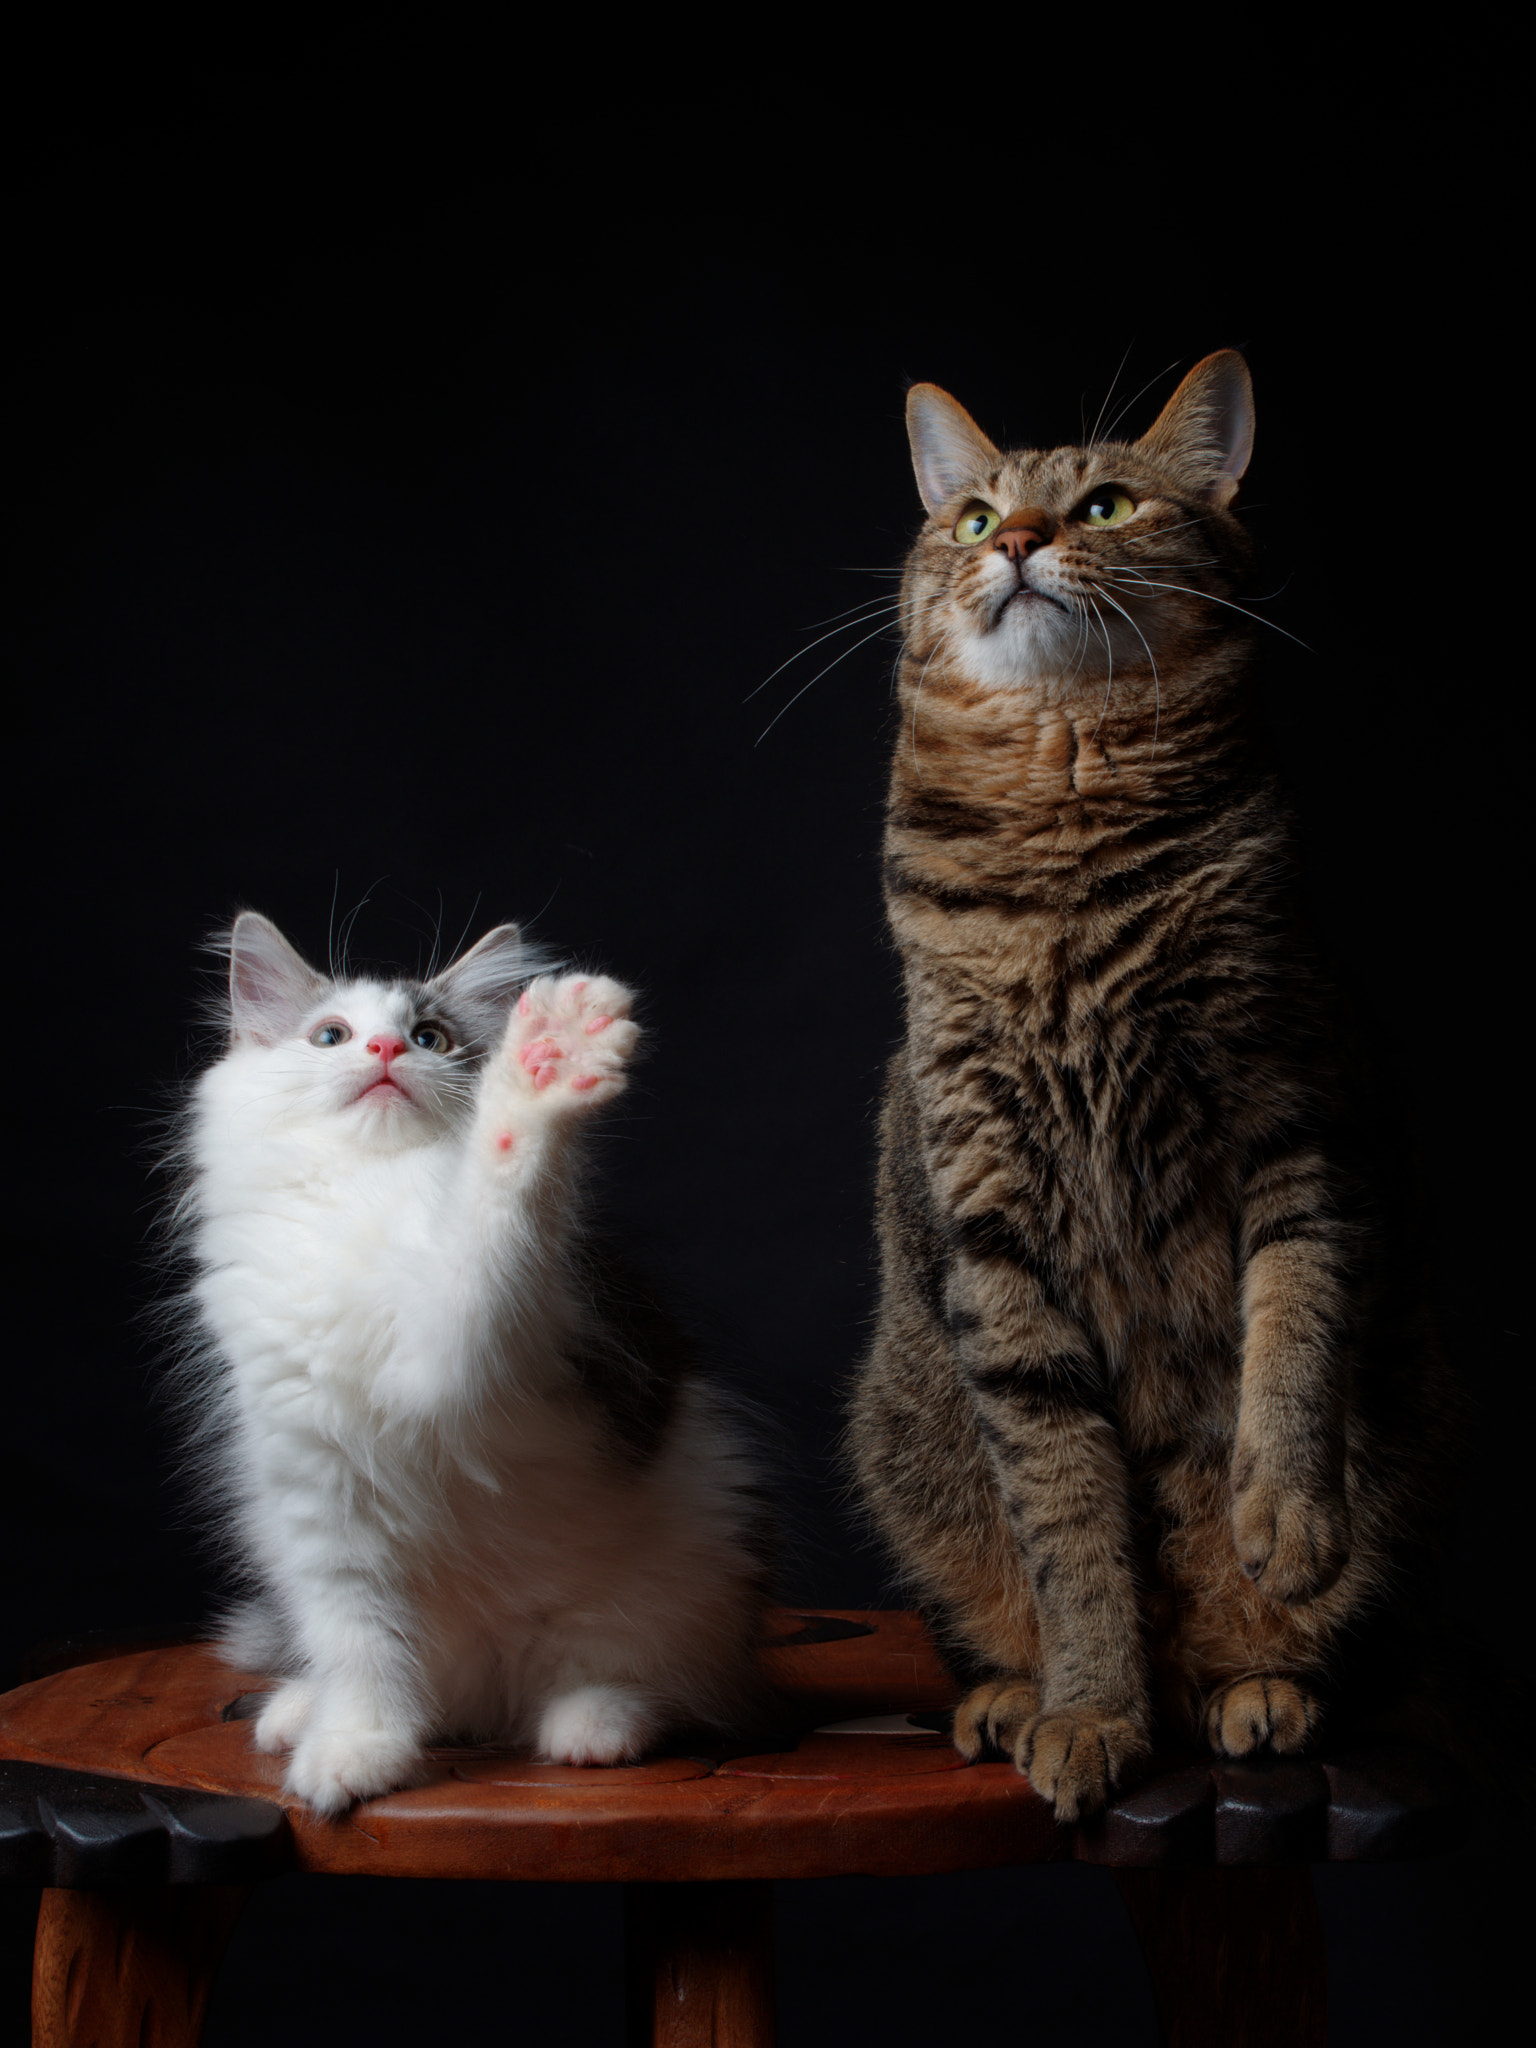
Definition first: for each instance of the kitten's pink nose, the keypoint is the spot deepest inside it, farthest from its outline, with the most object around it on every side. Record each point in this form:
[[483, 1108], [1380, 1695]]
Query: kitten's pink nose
[[1022, 532], [386, 1049]]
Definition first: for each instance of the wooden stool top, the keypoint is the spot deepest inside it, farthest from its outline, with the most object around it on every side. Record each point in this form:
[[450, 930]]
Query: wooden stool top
[[140, 1767]]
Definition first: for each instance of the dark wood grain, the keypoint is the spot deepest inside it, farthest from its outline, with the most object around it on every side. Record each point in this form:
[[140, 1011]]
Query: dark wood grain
[[131, 1966], [698, 1961], [1235, 1956]]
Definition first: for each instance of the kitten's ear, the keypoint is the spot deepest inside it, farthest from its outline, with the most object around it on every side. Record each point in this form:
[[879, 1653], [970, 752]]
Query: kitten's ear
[[950, 453], [271, 987], [490, 974], [1207, 425]]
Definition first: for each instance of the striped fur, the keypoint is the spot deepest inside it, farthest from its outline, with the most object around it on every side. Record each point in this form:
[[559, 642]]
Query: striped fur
[[1130, 1421]]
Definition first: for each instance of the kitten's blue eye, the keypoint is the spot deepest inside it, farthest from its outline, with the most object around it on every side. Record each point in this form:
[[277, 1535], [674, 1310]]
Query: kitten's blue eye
[[1107, 507], [976, 523], [330, 1034], [431, 1038]]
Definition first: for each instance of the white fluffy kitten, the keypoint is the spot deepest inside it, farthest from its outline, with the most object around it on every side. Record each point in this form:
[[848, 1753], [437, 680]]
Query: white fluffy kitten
[[469, 1504]]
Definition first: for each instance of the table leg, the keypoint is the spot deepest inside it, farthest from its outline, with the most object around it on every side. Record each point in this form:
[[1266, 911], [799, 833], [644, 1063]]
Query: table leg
[[1235, 1955], [698, 1964], [130, 1966]]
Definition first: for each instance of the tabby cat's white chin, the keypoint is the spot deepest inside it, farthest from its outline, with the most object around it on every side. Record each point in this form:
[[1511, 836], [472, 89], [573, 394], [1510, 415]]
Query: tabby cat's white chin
[[1038, 645]]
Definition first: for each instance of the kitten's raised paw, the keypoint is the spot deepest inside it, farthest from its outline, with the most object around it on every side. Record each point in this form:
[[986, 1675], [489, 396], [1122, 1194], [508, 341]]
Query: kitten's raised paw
[[1078, 1758], [994, 1715], [1291, 1543], [597, 1724], [334, 1767], [1261, 1713], [570, 1039]]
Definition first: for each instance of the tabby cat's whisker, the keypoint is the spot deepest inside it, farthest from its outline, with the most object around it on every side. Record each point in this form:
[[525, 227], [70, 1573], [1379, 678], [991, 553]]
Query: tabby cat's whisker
[[1142, 578], [1157, 694], [1109, 659], [870, 609], [1120, 415], [917, 695], [1109, 394], [815, 679]]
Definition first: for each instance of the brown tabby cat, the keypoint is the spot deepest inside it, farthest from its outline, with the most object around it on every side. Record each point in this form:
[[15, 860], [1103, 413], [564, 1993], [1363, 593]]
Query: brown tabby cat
[[1134, 1421]]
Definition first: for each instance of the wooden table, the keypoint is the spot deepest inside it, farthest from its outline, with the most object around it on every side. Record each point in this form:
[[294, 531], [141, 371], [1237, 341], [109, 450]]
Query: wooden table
[[130, 1794]]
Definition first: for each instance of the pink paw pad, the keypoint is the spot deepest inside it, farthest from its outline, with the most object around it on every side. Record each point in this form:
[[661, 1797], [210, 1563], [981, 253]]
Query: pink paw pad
[[584, 1081], [598, 1024]]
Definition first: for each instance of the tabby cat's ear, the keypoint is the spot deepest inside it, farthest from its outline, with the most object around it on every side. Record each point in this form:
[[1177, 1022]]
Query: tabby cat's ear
[[1207, 425], [490, 974], [271, 987], [950, 453]]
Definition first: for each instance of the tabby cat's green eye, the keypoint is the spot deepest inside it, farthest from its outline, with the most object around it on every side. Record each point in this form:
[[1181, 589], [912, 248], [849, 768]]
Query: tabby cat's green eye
[[1107, 507], [976, 524]]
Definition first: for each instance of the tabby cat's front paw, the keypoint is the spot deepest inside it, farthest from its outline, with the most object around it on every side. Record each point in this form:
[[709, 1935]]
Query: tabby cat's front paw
[[1076, 1757], [992, 1716], [1292, 1543], [570, 1039], [1261, 1713]]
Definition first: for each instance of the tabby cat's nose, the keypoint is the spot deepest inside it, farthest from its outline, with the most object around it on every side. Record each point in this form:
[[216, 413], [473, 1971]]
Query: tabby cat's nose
[[1022, 532], [386, 1049]]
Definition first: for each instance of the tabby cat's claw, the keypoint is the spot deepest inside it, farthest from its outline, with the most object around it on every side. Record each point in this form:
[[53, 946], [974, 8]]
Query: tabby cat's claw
[[1261, 1713], [991, 1716]]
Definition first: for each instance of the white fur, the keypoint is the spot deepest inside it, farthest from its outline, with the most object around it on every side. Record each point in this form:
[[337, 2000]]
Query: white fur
[[448, 1535]]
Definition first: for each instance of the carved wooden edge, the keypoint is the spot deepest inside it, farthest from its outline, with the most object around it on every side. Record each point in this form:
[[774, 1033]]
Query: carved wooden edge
[[74, 1829], [1367, 1804]]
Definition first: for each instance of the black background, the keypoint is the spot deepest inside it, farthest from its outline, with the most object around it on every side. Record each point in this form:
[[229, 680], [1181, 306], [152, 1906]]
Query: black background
[[424, 450]]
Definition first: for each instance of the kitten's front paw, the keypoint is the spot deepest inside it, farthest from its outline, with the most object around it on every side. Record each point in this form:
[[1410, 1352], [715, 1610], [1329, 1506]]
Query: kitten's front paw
[[284, 1718], [1293, 1544], [570, 1039], [1261, 1713], [597, 1724], [333, 1767]]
